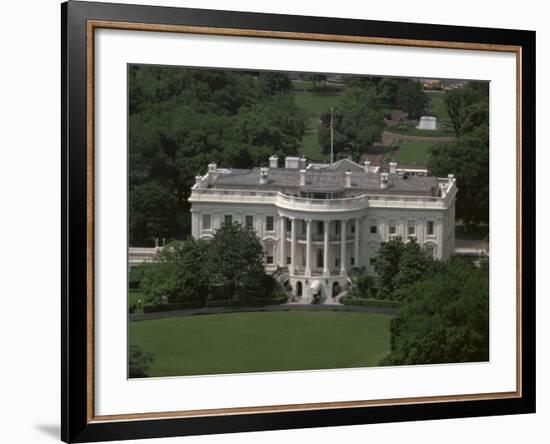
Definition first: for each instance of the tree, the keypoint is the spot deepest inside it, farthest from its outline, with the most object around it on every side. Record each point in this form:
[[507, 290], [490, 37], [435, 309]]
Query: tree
[[458, 101], [236, 263], [468, 160], [358, 122], [398, 265], [180, 275], [272, 83], [411, 98], [444, 318], [139, 362], [180, 120], [151, 207]]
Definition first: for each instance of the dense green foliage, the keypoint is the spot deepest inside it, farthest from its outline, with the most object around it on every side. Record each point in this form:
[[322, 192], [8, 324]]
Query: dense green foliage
[[358, 122], [468, 157], [405, 94], [182, 119], [399, 265], [262, 341], [444, 318], [228, 267]]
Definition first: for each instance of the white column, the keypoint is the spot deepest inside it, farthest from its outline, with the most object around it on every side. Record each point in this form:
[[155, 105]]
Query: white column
[[439, 237], [282, 221], [343, 247], [326, 271], [308, 247], [357, 228], [292, 245], [195, 224]]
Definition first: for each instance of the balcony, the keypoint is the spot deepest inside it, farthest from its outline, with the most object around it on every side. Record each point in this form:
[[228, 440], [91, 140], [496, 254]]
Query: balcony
[[321, 205]]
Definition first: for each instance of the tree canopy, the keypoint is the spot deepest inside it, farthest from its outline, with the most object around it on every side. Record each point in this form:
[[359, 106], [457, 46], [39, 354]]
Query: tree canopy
[[444, 318], [468, 157], [182, 119], [398, 265], [358, 122], [230, 266]]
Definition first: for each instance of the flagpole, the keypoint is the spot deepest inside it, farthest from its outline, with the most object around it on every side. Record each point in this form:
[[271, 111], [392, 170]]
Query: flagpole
[[331, 135]]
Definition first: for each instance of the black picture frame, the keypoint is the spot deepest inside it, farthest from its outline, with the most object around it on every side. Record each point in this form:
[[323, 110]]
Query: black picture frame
[[76, 423]]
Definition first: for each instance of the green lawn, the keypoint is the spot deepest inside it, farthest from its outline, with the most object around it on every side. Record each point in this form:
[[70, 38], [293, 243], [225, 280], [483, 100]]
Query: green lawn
[[311, 148], [262, 341], [412, 153], [316, 104], [437, 105]]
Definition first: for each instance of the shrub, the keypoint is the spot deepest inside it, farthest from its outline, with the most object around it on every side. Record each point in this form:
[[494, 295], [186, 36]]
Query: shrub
[[139, 362]]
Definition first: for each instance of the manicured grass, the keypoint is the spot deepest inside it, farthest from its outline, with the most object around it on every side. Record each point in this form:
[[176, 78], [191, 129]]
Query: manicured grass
[[262, 341], [311, 148], [316, 104], [413, 153], [437, 105]]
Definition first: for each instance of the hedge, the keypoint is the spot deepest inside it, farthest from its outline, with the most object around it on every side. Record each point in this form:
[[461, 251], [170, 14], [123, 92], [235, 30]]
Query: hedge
[[260, 302], [371, 302]]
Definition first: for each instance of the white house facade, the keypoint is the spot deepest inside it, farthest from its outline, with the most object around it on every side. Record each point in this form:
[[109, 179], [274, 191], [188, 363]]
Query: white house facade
[[319, 221]]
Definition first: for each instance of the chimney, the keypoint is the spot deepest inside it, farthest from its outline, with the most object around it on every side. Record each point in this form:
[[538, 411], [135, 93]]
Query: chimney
[[198, 181], [384, 180], [303, 163], [273, 162], [264, 175], [450, 179], [292, 162], [366, 164], [347, 179], [302, 178], [393, 167]]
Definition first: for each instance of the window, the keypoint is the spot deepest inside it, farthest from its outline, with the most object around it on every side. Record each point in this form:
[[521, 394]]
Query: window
[[336, 261], [303, 227], [288, 261], [373, 228], [352, 261], [353, 228], [430, 228], [320, 258], [372, 261], [249, 221], [320, 227], [228, 219], [430, 250], [337, 227], [269, 259], [288, 225], [206, 222], [411, 227], [269, 223], [393, 227]]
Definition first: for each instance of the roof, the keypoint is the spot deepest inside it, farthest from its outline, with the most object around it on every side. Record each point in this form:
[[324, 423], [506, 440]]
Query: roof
[[325, 179]]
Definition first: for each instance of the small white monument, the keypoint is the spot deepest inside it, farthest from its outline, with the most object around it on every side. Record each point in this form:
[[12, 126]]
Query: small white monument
[[427, 123]]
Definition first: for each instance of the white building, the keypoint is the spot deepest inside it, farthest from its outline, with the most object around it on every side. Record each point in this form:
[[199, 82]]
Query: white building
[[321, 220]]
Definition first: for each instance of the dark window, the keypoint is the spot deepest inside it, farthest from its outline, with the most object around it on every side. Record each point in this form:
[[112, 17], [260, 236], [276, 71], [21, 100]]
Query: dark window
[[320, 258], [269, 223], [320, 228], [373, 229], [269, 259], [206, 222], [249, 221], [288, 225], [228, 219], [352, 262], [336, 261], [430, 228], [337, 227]]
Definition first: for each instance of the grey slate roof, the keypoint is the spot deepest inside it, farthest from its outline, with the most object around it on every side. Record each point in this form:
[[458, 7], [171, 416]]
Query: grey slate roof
[[329, 179]]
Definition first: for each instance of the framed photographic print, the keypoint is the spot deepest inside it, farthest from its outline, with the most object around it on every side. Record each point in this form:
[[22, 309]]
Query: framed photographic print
[[277, 221]]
